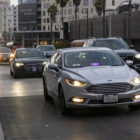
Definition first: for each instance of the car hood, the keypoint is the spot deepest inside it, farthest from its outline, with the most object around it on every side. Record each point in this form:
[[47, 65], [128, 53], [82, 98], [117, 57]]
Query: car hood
[[30, 60], [103, 74]]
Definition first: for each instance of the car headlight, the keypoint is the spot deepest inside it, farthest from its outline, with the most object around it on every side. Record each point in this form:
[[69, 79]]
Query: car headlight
[[75, 83], [136, 81], [137, 56], [19, 64]]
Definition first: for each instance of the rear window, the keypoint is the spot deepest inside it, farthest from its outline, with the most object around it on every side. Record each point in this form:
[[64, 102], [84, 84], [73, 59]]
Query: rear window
[[114, 44], [47, 48]]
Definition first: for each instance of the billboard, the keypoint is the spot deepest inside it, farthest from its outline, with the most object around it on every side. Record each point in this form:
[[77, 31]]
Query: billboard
[[27, 15]]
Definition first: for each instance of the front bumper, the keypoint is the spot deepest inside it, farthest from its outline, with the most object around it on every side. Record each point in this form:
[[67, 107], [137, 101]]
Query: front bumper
[[24, 70], [97, 100]]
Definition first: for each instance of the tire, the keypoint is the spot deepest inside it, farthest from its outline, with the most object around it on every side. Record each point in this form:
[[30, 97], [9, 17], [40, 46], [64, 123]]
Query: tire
[[46, 96], [15, 75], [62, 104], [134, 107]]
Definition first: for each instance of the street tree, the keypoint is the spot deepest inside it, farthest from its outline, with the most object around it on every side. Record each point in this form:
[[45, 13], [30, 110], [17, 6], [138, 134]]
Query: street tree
[[52, 10], [62, 4], [76, 3], [100, 6]]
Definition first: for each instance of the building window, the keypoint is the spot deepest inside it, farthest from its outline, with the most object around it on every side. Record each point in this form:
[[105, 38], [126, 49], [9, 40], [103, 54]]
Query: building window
[[65, 11], [113, 2], [93, 1], [70, 3], [91, 10], [85, 2], [48, 20], [70, 11], [44, 27], [44, 13]]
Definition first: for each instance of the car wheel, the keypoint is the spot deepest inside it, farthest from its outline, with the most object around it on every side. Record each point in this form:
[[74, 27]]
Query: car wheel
[[62, 104], [46, 96], [15, 75], [134, 107]]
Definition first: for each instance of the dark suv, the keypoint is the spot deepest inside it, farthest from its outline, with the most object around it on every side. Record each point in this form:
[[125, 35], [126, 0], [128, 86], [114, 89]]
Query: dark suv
[[116, 44]]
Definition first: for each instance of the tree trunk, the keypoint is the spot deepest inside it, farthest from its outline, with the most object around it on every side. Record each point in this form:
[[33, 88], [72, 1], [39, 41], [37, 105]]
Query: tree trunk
[[62, 22], [104, 29], [51, 30]]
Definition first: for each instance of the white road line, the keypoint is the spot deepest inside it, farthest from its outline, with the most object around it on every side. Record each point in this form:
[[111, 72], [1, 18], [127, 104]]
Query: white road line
[[1, 133]]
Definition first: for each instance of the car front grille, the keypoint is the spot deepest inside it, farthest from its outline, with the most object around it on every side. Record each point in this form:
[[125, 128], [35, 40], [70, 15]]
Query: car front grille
[[125, 100], [29, 66], [111, 88]]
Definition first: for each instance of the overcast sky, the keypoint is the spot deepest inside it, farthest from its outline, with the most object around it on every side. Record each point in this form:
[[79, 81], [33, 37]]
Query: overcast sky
[[14, 2]]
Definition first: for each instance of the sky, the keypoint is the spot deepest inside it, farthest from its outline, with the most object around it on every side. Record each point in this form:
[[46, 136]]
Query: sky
[[14, 2]]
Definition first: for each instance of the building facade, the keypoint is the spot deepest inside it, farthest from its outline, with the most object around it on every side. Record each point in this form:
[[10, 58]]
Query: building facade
[[114, 4], [6, 16], [86, 9]]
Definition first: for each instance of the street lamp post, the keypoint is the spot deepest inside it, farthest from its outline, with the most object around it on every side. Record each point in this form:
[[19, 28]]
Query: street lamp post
[[87, 22], [129, 22]]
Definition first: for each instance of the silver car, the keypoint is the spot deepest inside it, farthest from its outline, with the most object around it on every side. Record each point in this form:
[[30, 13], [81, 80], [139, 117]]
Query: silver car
[[90, 77]]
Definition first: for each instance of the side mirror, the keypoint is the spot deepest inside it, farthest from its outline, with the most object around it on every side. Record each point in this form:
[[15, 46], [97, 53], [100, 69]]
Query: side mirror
[[48, 55], [129, 63], [132, 46], [53, 67]]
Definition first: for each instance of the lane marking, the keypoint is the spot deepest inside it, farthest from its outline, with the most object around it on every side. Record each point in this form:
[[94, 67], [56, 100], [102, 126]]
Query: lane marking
[[1, 133]]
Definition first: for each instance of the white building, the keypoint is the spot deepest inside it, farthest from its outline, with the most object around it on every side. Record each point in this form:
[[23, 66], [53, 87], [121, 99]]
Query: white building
[[114, 4], [68, 13], [15, 18]]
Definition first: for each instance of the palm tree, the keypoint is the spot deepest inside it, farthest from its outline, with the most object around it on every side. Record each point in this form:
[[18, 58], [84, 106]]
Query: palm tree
[[52, 10], [100, 6], [76, 3], [62, 4]]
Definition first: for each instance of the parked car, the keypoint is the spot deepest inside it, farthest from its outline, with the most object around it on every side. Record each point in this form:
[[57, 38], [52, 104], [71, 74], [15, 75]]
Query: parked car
[[116, 44], [78, 43], [48, 50], [27, 61], [90, 77], [4, 54]]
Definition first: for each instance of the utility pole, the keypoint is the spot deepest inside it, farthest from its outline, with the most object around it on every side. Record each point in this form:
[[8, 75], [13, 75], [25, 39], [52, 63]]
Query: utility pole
[[129, 22], [104, 5], [87, 22]]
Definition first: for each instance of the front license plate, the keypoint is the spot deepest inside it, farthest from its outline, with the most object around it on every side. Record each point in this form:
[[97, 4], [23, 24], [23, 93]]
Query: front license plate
[[33, 69], [110, 98]]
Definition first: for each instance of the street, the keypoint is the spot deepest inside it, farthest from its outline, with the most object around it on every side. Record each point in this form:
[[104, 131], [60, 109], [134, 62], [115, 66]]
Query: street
[[24, 115]]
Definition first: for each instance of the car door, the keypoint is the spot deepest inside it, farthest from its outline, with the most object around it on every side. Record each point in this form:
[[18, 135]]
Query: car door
[[56, 74], [49, 74]]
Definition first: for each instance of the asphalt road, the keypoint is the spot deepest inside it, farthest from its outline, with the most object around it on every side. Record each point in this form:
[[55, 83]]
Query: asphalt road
[[24, 115]]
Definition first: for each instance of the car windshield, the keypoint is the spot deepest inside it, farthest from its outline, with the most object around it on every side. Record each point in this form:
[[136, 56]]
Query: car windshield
[[91, 59], [29, 54], [47, 48], [5, 50], [114, 44]]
